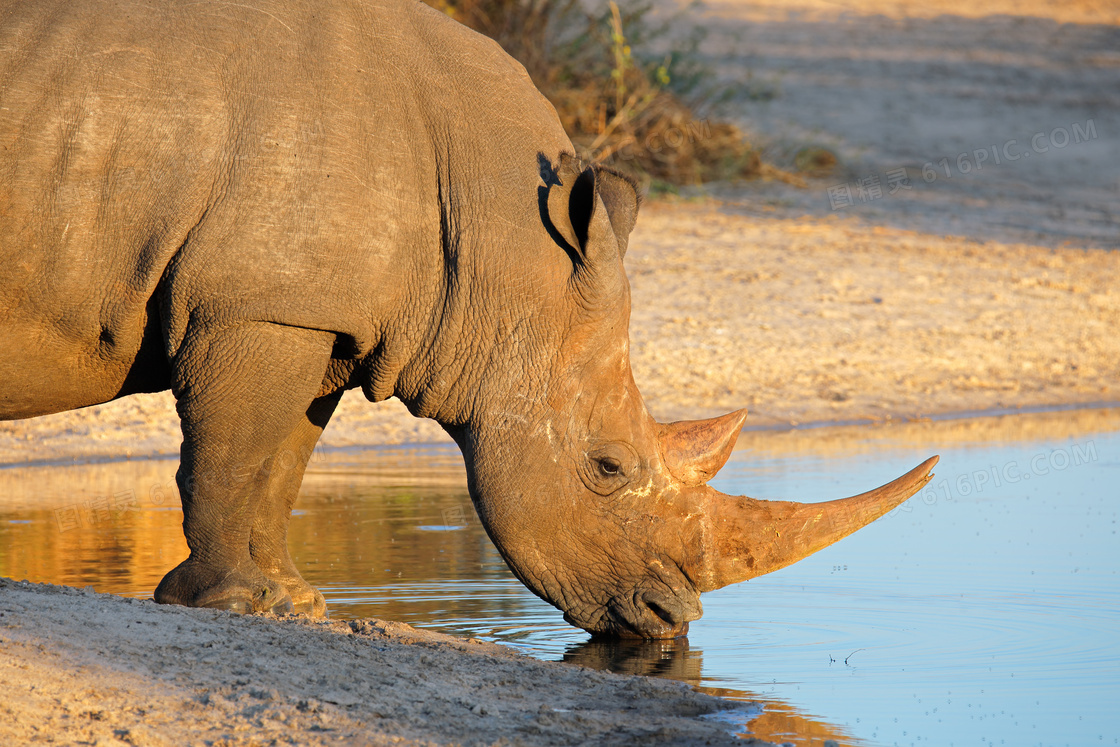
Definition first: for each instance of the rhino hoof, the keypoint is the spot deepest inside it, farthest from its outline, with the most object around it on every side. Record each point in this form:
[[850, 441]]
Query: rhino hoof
[[312, 604], [230, 604], [267, 599], [305, 598], [282, 606]]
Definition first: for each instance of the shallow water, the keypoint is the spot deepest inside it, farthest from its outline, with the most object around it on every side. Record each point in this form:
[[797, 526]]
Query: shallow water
[[984, 611]]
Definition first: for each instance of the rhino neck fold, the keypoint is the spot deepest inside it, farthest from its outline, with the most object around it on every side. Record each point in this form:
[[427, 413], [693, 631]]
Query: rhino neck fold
[[433, 382], [488, 314]]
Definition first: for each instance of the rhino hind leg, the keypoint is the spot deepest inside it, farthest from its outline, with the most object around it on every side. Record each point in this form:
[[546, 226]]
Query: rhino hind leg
[[268, 544], [241, 392]]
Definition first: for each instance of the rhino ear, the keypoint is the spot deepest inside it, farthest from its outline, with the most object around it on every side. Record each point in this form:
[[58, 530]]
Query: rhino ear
[[587, 207], [571, 203], [621, 198]]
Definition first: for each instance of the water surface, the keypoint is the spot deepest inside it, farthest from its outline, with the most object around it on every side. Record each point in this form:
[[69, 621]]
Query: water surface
[[984, 611]]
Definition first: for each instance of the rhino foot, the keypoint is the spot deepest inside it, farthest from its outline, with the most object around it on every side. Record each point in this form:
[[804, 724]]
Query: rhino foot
[[195, 584]]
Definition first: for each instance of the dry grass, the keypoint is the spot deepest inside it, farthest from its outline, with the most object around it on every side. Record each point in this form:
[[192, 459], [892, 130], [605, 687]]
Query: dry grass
[[617, 105]]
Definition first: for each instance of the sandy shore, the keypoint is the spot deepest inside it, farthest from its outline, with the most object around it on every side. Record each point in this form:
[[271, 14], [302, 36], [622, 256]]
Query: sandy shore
[[989, 290], [139, 673]]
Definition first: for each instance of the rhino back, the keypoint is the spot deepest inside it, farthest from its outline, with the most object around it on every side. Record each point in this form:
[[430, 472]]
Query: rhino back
[[216, 163]]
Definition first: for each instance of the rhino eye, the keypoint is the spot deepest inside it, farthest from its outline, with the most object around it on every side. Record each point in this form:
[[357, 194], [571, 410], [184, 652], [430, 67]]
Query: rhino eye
[[608, 467]]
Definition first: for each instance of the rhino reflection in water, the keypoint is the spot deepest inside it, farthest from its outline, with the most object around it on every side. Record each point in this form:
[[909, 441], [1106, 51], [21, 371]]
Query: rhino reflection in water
[[260, 205]]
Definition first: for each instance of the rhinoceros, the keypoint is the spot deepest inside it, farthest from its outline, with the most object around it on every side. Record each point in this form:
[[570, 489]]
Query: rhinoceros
[[259, 205]]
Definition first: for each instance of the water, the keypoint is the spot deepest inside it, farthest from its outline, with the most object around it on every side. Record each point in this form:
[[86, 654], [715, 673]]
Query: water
[[984, 611]]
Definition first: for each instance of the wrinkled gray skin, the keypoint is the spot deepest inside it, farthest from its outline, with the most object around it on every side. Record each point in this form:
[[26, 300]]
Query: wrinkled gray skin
[[259, 205]]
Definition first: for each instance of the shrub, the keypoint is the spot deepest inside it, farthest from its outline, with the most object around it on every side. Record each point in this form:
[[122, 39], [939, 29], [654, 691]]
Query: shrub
[[619, 105]]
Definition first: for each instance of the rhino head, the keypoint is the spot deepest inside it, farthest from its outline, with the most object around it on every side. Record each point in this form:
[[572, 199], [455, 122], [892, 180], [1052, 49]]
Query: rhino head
[[599, 509]]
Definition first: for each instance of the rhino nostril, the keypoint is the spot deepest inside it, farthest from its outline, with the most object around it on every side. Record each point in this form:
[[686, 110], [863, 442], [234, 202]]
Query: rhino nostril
[[666, 614], [662, 614]]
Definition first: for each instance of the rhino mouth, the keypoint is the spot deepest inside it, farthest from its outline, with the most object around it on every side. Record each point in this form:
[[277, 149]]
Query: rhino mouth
[[645, 616]]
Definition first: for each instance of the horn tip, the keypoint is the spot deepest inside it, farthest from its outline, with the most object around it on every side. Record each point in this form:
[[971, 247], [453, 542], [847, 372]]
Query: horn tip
[[736, 418]]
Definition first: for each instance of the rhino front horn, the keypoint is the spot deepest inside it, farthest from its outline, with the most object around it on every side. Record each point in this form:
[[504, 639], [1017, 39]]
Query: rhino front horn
[[744, 538], [695, 450]]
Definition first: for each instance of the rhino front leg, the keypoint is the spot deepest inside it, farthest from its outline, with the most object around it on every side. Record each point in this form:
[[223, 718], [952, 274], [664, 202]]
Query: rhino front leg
[[241, 392], [268, 544]]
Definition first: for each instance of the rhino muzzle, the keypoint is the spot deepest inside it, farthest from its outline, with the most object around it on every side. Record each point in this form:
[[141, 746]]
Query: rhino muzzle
[[645, 615]]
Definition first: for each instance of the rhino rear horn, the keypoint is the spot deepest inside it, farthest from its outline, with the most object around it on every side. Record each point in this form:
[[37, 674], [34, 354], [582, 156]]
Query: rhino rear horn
[[694, 450]]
